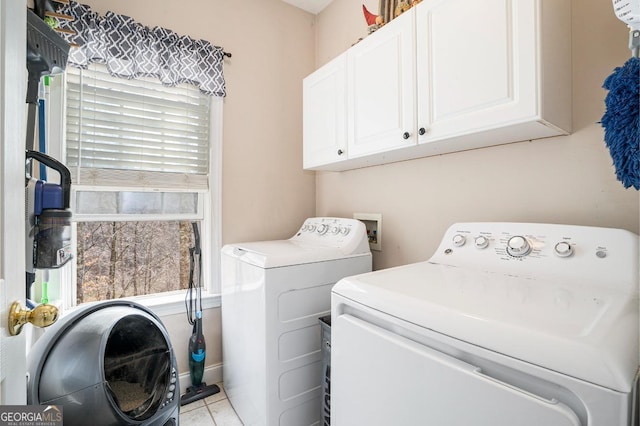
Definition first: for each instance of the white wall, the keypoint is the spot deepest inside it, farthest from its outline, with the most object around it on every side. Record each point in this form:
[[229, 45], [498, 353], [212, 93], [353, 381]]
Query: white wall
[[557, 180]]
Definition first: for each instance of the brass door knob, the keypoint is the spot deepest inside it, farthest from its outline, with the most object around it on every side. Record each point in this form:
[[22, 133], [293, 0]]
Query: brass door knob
[[40, 316]]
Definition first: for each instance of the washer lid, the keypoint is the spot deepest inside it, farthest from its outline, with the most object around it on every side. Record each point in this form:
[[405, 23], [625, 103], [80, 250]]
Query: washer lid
[[580, 329], [279, 253]]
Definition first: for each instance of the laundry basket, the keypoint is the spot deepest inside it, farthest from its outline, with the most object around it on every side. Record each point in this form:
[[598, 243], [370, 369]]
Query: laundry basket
[[325, 335]]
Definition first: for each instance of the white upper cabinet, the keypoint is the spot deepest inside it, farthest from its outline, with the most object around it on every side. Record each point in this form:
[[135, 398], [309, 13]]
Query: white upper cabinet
[[325, 115], [481, 71], [381, 90], [452, 75]]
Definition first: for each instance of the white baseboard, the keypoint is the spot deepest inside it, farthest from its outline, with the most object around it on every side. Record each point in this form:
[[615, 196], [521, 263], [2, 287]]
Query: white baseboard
[[212, 374]]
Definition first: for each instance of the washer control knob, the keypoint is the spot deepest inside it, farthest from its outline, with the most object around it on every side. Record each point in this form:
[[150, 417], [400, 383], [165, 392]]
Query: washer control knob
[[335, 230], [322, 229], [518, 246], [345, 230], [481, 242], [563, 249], [459, 240], [311, 227]]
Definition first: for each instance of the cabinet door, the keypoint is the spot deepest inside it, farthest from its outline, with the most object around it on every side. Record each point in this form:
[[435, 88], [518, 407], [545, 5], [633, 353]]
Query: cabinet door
[[381, 89], [324, 114], [476, 65]]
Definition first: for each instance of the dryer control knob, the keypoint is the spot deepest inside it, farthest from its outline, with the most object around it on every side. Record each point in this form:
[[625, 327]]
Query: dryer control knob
[[481, 242], [335, 230], [459, 240], [563, 249], [322, 229], [518, 246], [345, 230]]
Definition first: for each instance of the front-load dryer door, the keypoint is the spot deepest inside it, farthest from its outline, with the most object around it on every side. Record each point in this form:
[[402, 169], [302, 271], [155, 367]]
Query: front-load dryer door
[[379, 378]]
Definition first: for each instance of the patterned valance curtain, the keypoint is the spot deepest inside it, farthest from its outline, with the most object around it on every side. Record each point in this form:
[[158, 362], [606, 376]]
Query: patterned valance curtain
[[130, 50]]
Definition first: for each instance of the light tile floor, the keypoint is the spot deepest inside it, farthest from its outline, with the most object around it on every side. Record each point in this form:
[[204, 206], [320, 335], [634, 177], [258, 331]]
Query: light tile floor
[[212, 411]]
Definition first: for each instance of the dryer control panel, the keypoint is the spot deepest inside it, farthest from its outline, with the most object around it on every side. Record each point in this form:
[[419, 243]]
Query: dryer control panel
[[535, 249]]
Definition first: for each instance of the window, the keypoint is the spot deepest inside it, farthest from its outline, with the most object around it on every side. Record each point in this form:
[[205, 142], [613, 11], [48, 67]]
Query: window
[[141, 125], [144, 160], [135, 125]]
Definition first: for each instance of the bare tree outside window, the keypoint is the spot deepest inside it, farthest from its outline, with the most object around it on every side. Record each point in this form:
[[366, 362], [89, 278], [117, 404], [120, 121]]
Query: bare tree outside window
[[123, 259]]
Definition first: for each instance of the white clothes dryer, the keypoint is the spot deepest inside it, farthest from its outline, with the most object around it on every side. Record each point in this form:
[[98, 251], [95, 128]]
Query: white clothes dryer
[[273, 293], [507, 324]]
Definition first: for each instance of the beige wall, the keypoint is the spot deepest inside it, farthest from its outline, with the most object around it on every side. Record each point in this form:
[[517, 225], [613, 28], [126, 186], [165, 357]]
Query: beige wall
[[265, 193], [558, 180]]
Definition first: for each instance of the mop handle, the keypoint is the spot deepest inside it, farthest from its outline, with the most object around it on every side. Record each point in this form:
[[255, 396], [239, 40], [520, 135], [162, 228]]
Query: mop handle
[[634, 43], [196, 237], [198, 258]]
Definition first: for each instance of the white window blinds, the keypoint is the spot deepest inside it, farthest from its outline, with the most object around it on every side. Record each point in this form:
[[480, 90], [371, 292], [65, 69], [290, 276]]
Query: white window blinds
[[135, 132]]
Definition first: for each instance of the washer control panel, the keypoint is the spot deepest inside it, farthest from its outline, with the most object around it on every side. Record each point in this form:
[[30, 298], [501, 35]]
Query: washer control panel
[[333, 232], [541, 249], [326, 228], [518, 246]]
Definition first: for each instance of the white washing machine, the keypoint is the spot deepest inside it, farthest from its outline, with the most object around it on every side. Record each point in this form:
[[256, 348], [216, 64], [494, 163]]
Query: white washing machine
[[507, 324], [273, 293]]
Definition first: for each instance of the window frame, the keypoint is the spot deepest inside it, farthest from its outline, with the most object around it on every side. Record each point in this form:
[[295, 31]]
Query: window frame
[[209, 211]]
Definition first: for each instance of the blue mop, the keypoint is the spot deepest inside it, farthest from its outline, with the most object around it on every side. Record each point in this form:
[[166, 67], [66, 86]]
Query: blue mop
[[621, 119]]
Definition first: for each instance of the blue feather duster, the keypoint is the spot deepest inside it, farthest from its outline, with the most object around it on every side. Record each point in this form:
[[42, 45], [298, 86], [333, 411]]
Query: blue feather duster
[[621, 121]]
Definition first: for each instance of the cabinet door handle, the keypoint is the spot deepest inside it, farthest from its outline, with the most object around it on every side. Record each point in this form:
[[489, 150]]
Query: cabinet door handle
[[406, 135], [422, 131], [340, 152]]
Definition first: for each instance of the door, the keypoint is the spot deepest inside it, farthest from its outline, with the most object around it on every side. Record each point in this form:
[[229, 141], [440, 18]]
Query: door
[[325, 114], [479, 73], [381, 96], [13, 89], [380, 378]]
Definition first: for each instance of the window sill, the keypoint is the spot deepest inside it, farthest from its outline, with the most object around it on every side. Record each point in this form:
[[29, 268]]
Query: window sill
[[173, 303]]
